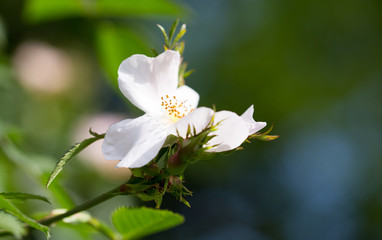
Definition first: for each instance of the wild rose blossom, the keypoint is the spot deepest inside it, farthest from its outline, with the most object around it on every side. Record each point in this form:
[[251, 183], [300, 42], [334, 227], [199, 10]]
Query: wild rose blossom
[[151, 84]]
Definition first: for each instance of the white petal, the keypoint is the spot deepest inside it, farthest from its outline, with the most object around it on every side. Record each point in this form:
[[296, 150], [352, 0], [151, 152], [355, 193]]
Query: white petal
[[190, 95], [253, 126], [134, 141], [143, 80], [231, 132], [197, 119]]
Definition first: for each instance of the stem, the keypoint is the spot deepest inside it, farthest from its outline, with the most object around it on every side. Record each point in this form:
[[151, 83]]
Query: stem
[[122, 189], [86, 205]]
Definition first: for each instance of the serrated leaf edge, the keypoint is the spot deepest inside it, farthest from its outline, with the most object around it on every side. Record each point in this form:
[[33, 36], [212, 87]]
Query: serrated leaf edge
[[74, 150]]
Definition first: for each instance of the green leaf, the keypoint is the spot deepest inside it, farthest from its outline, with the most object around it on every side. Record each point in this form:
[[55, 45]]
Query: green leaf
[[10, 208], [172, 30], [36, 166], [22, 196], [10, 224], [43, 10], [47, 10], [71, 153], [134, 223], [32, 164], [138, 8]]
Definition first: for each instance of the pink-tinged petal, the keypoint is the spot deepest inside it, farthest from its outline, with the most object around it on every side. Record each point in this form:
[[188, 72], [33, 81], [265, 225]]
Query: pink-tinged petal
[[143, 80], [197, 119], [185, 93], [135, 141], [231, 132], [253, 126]]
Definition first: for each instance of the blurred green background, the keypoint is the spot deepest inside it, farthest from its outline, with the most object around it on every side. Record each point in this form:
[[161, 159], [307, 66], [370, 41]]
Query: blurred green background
[[312, 68]]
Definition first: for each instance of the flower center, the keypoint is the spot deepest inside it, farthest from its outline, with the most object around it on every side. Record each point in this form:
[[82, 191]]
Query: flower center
[[175, 108]]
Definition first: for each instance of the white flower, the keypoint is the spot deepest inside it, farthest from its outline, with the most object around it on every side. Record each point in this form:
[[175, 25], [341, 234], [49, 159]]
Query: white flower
[[151, 85]]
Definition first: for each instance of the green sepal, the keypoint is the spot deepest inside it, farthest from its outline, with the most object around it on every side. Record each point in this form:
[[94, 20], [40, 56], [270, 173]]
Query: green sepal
[[188, 73], [164, 34], [161, 160], [137, 172], [150, 170], [180, 34], [153, 192], [264, 136], [185, 202], [158, 199], [179, 47], [178, 190], [148, 188], [183, 74], [137, 187], [170, 140], [137, 184], [145, 197], [192, 148], [172, 30]]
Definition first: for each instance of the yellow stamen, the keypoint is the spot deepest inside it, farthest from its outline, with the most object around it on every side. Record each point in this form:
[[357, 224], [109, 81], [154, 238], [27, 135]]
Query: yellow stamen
[[175, 108]]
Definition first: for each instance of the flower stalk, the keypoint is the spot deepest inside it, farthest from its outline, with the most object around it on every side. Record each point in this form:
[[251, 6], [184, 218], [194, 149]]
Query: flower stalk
[[120, 190]]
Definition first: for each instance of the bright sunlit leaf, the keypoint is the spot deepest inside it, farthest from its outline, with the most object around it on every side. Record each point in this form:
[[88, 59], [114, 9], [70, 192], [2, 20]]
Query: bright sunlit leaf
[[138, 8], [43, 10], [46, 10], [135, 223]]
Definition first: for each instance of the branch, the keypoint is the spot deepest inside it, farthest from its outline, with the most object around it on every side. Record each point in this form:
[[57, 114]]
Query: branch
[[86, 205]]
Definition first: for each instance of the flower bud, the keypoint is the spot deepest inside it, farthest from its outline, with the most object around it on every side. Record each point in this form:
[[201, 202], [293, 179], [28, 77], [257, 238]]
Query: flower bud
[[175, 183], [175, 165]]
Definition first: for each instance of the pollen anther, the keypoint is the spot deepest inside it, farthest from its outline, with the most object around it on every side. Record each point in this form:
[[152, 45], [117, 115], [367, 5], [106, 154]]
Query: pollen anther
[[175, 108]]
